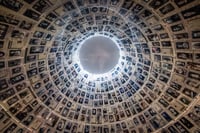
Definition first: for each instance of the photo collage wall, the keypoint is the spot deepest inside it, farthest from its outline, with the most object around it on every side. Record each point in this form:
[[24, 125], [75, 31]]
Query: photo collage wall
[[154, 87]]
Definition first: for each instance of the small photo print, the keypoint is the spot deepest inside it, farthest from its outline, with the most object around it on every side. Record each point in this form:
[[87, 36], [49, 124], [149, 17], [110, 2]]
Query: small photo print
[[31, 14], [3, 30], [11, 4]]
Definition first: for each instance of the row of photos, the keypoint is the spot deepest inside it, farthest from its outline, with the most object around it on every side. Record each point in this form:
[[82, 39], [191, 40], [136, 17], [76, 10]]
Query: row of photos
[[138, 101]]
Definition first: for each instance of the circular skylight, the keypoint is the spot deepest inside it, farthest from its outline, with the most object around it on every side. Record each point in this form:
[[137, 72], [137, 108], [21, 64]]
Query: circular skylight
[[99, 54], [91, 66]]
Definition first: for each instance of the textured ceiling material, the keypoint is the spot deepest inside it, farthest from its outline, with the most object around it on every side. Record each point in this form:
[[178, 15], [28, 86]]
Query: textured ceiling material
[[98, 54], [154, 87]]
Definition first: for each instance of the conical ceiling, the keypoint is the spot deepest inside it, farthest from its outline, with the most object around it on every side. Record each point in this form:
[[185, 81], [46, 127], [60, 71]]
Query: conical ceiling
[[154, 87]]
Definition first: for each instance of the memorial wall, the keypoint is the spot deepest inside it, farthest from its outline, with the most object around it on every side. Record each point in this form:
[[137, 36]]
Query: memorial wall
[[154, 87]]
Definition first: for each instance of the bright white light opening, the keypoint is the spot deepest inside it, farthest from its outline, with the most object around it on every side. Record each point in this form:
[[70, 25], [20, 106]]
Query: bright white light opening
[[98, 55]]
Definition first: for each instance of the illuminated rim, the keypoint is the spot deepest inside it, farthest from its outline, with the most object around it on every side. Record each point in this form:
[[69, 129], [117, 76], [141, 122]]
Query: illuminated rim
[[92, 76]]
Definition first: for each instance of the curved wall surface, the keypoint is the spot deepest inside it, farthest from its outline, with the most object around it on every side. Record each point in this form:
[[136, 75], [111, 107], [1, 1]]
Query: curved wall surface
[[154, 87]]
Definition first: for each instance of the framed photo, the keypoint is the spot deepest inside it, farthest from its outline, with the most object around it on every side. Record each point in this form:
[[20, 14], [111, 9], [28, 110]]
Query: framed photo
[[38, 34], [36, 49], [25, 25], [166, 9], [164, 35], [195, 34], [172, 92], [157, 3], [114, 2], [3, 84], [2, 54], [12, 4], [80, 2], [12, 100], [41, 6], [182, 45], [32, 14], [32, 72], [172, 19], [14, 53], [17, 78], [181, 3], [180, 63], [2, 64], [180, 127], [181, 36], [5, 94], [194, 75], [167, 58], [18, 34], [12, 63], [189, 93], [185, 100], [3, 30], [16, 70], [59, 22], [146, 13], [191, 12], [34, 41], [10, 128], [51, 17], [153, 37], [163, 79], [9, 19], [158, 27], [177, 27], [30, 58], [184, 56], [69, 6], [127, 4], [157, 57]]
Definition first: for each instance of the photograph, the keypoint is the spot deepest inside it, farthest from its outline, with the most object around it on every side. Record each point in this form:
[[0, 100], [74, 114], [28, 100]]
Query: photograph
[[177, 27], [172, 19], [189, 93], [166, 9], [157, 3], [191, 12], [26, 25], [12, 63], [17, 78], [36, 49], [69, 6], [51, 16], [184, 56], [32, 14], [10, 128], [194, 75], [9, 19], [182, 45], [16, 70], [195, 34], [41, 6], [6, 93], [15, 53], [172, 92], [3, 84], [3, 30], [137, 8], [14, 5], [180, 127], [182, 3]]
